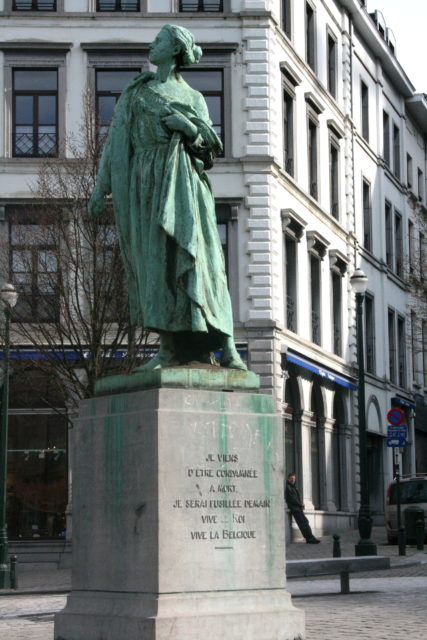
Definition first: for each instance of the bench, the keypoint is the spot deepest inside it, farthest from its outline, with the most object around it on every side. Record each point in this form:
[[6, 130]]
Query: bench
[[334, 566]]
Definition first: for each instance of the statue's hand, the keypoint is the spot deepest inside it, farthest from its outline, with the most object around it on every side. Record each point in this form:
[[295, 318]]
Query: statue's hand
[[96, 204], [178, 122]]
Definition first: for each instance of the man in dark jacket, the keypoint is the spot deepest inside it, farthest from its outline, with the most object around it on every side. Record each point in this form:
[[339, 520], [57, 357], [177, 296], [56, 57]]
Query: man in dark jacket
[[296, 507]]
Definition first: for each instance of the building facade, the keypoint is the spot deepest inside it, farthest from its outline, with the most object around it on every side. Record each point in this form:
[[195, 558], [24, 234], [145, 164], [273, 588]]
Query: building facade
[[323, 171]]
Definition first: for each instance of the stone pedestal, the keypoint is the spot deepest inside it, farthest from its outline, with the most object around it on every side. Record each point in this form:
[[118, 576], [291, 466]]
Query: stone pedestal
[[178, 520]]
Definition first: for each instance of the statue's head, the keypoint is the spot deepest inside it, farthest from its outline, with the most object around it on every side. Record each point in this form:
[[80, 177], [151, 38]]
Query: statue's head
[[175, 42]]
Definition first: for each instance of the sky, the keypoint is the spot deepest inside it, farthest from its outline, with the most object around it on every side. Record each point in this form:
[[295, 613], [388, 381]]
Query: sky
[[408, 21]]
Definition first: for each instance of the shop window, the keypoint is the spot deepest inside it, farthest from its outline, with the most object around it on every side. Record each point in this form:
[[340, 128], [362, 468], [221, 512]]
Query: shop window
[[37, 474], [210, 83], [34, 5], [195, 6], [364, 96], [35, 112], [34, 270], [108, 88], [117, 5]]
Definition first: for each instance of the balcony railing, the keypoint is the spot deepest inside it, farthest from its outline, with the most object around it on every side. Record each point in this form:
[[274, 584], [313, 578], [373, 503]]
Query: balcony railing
[[337, 340], [315, 327], [117, 5], [200, 5], [34, 5], [32, 145], [291, 316]]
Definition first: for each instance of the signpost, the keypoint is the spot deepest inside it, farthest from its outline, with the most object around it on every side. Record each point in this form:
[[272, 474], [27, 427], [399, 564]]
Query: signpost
[[397, 436]]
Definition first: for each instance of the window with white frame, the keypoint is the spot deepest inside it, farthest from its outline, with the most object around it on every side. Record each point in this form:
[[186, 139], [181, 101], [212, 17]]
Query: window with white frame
[[332, 64], [367, 214], [364, 110], [286, 17], [310, 35]]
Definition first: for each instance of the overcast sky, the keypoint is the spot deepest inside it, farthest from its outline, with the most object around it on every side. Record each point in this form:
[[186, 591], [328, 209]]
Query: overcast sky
[[408, 21]]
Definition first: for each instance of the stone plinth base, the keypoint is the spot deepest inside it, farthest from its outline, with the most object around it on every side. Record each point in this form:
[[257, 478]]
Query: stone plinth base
[[178, 526], [260, 615]]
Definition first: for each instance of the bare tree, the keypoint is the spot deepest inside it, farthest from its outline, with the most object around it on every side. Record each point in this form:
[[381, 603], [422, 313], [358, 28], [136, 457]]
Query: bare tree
[[72, 308]]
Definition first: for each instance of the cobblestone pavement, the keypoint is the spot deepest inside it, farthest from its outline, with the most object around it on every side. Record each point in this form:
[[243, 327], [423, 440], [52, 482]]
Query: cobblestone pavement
[[383, 605]]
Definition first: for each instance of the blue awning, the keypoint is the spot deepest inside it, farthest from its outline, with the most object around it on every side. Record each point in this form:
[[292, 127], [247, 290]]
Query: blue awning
[[324, 372], [400, 402]]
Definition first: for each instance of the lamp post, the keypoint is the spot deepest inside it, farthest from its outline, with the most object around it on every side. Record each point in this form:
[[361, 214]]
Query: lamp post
[[365, 546], [9, 297]]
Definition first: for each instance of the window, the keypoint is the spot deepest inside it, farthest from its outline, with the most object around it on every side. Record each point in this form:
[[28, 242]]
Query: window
[[332, 66], [109, 86], [386, 137], [409, 171], [210, 83], [117, 5], [288, 131], [396, 151], [364, 93], [420, 179], [226, 217], [334, 154], [414, 346], [337, 313], [421, 254], [312, 159], [310, 36], [110, 280], [291, 283], [424, 347], [401, 346], [367, 215], [34, 5], [286, 17], [369, 333], [411, 246], [34, 269], [391, 345], [35, 113], [398, 238], [201, 5], [388, 236], [315, 286]]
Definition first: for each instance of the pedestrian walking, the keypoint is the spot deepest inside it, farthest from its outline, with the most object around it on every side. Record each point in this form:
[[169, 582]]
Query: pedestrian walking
[[296, 507]]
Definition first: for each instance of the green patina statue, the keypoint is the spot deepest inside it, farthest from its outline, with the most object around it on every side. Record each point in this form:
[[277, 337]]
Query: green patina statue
[[159, 144]]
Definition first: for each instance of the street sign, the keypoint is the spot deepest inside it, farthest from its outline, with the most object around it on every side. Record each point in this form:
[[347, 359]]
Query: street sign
[[396, 417], [397, 436]]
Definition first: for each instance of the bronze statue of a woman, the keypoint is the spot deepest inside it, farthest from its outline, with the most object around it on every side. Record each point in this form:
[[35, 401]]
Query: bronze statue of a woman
[[159, 144]]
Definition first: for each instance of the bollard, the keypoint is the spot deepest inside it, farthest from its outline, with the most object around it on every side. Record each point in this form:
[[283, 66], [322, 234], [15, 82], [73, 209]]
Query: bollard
[[336, 549], [401, 541], [13, 574], [420, 533]]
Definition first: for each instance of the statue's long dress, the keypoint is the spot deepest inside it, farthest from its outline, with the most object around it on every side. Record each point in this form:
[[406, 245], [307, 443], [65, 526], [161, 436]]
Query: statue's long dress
[[166, 220]]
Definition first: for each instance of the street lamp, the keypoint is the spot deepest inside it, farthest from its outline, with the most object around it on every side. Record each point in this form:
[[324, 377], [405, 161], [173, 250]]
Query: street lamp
[[9, 297], [365, 546]]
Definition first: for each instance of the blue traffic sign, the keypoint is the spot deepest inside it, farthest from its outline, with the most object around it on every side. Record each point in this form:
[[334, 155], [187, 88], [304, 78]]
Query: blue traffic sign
[[397, 436], [396, 442]]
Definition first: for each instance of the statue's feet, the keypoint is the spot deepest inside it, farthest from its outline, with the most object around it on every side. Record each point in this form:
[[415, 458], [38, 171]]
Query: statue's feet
[[230, 357], [165, 357]]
